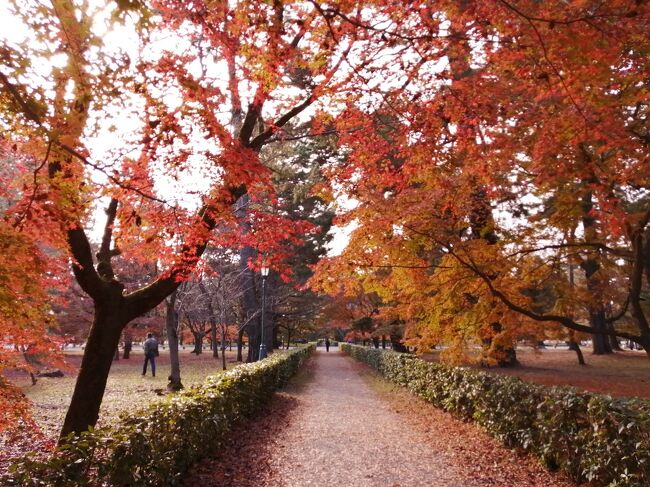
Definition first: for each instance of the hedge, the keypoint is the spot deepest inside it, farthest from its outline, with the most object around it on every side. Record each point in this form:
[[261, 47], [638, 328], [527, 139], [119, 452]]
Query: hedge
[[592, 437], [158, 444]]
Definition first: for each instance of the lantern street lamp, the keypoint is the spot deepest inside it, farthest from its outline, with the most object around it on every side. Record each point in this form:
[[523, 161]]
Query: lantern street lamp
[[265, 272]]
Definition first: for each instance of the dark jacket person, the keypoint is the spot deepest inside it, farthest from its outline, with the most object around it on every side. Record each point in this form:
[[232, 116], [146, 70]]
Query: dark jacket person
[[150, 354]]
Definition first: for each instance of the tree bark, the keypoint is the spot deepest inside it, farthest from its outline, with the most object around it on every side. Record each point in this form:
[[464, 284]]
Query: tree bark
[[613, 340], [483, 228], [240, 345], [575, 346], [397, 345], [249, 296], [213, 339], [171, 323], [128, 345], [223, 347], [104, 336], [198, 342], [600, 341]]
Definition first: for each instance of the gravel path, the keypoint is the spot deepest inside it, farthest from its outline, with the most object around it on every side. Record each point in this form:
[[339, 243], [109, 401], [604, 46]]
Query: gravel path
[[339, 425], [342, 419]]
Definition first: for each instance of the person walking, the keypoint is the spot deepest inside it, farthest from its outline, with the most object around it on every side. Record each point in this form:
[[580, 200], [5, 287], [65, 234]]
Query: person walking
[[327, 344], [150, 353]]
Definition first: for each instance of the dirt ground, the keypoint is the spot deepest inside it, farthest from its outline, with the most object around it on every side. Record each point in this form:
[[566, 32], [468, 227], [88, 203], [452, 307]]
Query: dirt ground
[[620, 374]]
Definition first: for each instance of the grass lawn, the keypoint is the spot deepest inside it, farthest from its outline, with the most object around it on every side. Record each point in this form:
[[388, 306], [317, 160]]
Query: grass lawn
[[126, 389]]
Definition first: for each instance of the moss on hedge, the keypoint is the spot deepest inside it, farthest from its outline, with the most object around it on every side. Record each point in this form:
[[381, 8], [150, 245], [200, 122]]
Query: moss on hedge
[[156, 445], [592, 437]]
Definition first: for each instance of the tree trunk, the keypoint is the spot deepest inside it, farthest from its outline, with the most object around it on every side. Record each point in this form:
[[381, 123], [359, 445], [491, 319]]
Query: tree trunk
[[397, 345], [171, 323], [103, 339], [275, 332], [483, 227], [213, 339], [383, 342], [198, 342], [251, 307], [613, 340], [288, 337], [574, 345], [600, 341], [223, 347], [375, 342], [128, 345], [240, 345], [249, 297]]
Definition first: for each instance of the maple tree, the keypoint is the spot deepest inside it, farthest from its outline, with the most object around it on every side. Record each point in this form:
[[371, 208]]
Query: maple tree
[[523, 155], [233, 78], [491, 148], [28, 264]]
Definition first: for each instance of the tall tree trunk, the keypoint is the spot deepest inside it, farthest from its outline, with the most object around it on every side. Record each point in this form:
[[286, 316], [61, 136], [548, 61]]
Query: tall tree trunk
[[213, 339], [240, 345], [598, 321], [223, 344], [128, 345], [171, 323], [288, 337], [275, 332], [575, 346], [600, 341], [641, 249], [613, 340], [198, 342], [103, 338], [397, 345], [497, 347], [252, 309], [249, 296]]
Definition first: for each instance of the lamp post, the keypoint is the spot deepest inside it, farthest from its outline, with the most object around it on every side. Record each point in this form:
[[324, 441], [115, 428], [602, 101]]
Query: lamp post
[[265, 272]]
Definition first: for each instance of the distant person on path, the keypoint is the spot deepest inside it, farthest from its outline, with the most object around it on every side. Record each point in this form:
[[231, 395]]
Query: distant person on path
[[150, 353], [327, 344]]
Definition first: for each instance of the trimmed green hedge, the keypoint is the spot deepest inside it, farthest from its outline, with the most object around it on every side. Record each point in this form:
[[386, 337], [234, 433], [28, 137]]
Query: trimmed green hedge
[[157, 445], [592, 437]]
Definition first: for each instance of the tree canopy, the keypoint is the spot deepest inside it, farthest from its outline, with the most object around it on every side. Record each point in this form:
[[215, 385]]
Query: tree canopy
[[492, 161]]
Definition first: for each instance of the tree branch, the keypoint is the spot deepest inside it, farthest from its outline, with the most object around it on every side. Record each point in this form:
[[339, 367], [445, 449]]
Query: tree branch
[[262, 138], [104, 266], [562, 320]]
